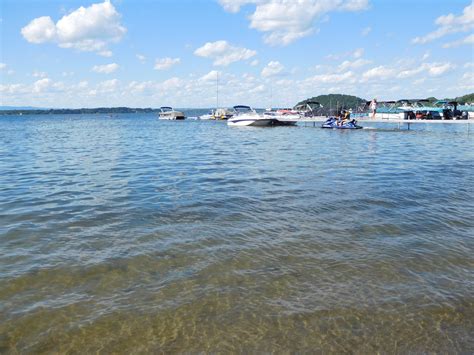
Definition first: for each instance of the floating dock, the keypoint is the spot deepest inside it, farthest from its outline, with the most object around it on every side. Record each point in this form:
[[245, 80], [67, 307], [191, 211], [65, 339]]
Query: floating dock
[[400, 122]]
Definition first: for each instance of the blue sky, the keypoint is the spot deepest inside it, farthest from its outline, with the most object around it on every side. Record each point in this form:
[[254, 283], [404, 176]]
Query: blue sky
[[69, 53]]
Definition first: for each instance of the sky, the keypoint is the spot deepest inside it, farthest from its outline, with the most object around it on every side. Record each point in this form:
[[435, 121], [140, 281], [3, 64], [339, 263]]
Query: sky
[[263, 53]]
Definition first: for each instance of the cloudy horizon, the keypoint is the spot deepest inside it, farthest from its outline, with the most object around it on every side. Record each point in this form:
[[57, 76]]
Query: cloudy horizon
[[262, 52]]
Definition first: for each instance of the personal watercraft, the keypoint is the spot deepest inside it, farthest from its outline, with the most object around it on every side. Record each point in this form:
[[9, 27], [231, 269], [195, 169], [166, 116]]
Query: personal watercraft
[[333, 122]]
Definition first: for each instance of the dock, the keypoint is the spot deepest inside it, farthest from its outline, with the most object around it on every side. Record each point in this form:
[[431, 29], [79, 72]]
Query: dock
[[399, 122]]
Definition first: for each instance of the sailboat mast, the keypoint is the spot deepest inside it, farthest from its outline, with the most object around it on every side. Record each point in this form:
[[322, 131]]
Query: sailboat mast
[[217, 90]]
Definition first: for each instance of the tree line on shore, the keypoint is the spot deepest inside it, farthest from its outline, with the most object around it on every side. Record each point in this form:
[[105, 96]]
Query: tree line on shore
[[331, 102]]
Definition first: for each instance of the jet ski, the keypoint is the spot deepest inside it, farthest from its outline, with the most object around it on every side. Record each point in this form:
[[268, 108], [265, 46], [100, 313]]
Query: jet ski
[[333, 122]]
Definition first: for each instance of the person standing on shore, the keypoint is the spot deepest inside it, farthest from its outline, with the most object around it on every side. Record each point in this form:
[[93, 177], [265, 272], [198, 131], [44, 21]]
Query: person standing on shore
[[373, 107]]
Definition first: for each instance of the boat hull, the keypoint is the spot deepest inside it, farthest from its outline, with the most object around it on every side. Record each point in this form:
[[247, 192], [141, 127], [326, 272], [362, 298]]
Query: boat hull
[[253, 122]]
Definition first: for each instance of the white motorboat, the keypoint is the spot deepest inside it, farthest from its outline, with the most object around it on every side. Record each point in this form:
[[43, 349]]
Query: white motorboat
[[208, 116], [168, 113], [217, 114], [246, 116], [284, 117]]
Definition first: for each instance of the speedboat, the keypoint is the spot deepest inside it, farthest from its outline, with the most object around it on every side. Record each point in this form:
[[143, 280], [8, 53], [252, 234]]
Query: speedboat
[[247, 116], [334, 123], [217, 114], [168, 113], [208, 116], [223, 114], [283, 117], [309, 109]]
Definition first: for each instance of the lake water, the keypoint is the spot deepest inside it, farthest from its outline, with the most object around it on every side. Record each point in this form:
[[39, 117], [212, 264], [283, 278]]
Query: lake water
[[132, 235]]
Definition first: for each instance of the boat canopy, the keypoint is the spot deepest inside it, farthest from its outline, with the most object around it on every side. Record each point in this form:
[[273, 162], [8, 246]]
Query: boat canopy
[[310, 104], [166, 108], [241, 107], [446, 102]]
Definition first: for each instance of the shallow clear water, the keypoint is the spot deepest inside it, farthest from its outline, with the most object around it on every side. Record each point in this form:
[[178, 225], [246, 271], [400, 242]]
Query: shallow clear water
[[130, 234]]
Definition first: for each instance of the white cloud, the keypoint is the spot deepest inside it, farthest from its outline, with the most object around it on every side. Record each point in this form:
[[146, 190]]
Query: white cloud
[[432, 69], [366, 31], [468, 77], [378, 73], [254, 63], [257, 89], [39, 74], [223, 53], [234, 5], [3, 66], [332, 78], [359, 52], [105, 53], [450, 24], [285, 21], [140, 87], [469, 65], [90, 29], [172, 83], [107, 86], [40, 30], [83, 84], [466, 40], [436, 69], [141, 58], [106, 68], [273, 68], [347, 64], [41, 85], [166, 63], [467, 82], [211, 76]]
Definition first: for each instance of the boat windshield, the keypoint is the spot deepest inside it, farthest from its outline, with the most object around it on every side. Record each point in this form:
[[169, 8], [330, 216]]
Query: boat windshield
[[242, 109], [166, 109]]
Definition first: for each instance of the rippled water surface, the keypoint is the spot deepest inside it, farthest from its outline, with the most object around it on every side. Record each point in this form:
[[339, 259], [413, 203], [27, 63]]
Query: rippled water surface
[[131, 235]]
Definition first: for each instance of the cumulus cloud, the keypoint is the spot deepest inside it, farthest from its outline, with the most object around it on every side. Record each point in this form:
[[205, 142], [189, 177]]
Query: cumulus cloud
[[273, 68], [359, 52], [41, 85], [449, 24], [223, 53], [141, 58], [347, 64], [437, 69], [166, 63], [380, 72], [89, 29], [333, 78], [39, 74], [106, 68], [108, 85], [469, 40], [105, 53], [211, 76], [285, 21], [3, 66]]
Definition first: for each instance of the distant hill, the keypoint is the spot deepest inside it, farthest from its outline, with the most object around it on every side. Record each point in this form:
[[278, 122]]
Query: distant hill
[[9, 108], [462, 99], [69, 111], [465, 98], [333, 102]]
